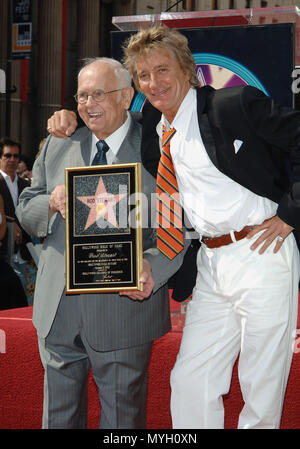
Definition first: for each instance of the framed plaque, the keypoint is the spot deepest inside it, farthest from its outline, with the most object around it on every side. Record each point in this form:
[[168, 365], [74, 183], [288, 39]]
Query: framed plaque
[[103, 228]]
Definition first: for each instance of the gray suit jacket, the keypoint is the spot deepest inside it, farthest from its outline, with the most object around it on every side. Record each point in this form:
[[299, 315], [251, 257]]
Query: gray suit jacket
[[111, 321]]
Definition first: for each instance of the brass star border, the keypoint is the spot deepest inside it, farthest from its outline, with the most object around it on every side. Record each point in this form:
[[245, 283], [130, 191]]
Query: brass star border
[[103, 249]]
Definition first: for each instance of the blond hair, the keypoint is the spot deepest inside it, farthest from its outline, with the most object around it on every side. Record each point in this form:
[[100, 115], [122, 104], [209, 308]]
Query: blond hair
[[159, 38]]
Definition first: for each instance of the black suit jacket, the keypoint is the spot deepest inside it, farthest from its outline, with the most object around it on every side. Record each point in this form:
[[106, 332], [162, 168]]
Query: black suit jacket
[[9, 210], [267, 162]]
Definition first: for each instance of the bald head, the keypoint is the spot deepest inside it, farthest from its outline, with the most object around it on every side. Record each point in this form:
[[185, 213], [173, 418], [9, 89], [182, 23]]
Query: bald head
[[104, 95]]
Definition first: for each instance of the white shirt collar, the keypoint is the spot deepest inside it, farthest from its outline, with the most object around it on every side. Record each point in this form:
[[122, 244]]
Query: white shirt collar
[[114, 141], [12, 186], [183, 116], [8, 178]]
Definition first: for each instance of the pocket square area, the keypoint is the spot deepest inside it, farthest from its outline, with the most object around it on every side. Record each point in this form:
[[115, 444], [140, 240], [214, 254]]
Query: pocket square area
[[237, 145]]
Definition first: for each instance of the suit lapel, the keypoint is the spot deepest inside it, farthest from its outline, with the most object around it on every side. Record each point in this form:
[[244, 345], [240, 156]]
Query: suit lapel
[[130, 147], [8, 201], [204, 124], [19, 186], [22, 183], [150, 151], [82, 150]]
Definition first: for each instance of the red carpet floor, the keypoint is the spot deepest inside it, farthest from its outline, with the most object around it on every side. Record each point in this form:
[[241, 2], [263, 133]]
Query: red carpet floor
[[21, 374]]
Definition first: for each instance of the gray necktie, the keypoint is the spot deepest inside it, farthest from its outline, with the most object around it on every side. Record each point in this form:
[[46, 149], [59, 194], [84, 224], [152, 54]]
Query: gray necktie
[[100, 157]]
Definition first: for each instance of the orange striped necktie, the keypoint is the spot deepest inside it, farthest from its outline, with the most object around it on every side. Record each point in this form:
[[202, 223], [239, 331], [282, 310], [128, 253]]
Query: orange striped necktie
[[168, 208]]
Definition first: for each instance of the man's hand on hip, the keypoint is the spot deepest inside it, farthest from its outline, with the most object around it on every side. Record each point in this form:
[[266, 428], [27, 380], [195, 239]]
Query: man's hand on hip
[[274, 229]]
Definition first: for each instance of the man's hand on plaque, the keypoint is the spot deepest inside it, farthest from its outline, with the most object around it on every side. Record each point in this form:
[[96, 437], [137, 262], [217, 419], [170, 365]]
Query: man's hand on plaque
[[58, 201], [148, 284], [62, 123]]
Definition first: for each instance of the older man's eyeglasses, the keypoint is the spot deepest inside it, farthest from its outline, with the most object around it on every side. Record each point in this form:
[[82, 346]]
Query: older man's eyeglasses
[[97, 95]]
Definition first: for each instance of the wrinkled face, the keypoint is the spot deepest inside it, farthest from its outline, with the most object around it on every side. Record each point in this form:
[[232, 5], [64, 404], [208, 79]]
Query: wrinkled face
[[10, 159], [107, 116], [163, 81]]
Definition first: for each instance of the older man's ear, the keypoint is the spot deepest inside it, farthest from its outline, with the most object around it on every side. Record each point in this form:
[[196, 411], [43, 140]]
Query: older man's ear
[[127, 96]]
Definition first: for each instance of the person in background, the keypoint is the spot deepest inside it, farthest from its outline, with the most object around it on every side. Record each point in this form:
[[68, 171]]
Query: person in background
[[2, 220], [11, 185], [24, 168], [12, 293], [110, 332], [24, 171]]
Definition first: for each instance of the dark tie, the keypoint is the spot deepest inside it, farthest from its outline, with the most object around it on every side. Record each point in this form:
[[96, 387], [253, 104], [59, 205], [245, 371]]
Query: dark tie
[[100, 157], [169, 211]]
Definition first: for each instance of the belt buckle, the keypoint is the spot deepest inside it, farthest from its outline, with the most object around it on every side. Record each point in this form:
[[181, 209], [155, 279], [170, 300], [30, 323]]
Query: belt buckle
[[232, 235]]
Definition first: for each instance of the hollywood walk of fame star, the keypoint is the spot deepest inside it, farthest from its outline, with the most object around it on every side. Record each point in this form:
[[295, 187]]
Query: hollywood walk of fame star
[[101, 205]]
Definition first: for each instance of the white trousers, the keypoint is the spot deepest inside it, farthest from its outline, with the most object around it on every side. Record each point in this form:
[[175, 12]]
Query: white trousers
[[243, 304]]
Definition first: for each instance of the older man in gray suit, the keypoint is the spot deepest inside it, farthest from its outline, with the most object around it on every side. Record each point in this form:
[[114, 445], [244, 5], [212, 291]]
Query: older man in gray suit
[[111, 333]]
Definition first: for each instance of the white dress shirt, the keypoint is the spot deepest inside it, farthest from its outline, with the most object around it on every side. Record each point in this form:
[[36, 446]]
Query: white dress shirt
[[12, 186], [214, 203]]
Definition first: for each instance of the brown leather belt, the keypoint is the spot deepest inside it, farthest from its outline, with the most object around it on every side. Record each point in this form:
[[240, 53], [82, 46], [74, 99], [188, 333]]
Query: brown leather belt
[[222, 240]]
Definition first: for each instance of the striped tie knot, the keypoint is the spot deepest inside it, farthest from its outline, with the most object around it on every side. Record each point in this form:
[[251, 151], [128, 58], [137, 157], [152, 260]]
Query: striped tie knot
[[169, 211]]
